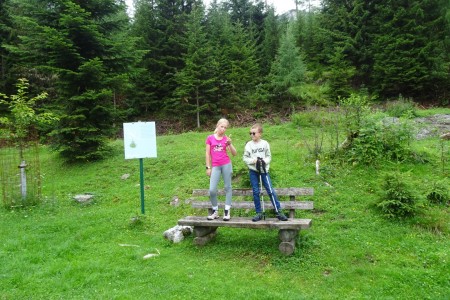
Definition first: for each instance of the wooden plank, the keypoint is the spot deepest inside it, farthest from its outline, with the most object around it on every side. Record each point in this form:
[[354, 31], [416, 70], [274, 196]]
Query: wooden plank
[[240, 222], [250, 205], [248, 192]]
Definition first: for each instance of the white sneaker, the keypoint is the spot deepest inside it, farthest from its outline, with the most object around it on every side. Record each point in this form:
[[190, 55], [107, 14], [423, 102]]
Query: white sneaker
[[214, 215], [226, 215]]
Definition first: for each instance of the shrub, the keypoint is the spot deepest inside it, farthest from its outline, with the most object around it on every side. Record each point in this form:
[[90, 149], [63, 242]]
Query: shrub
[[398, 200], [313, 116], [355, 108], [402, 107], [439, 193], [380, 138], [312, 94]]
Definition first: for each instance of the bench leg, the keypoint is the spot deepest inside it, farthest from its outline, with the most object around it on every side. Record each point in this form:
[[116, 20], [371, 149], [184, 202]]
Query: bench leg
[[287, 237], [291, 213], [204, 234]]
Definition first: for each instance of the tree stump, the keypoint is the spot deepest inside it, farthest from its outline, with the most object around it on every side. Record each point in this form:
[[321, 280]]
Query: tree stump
[[287, 235], [203, 240], [287, 248], [200, 231]]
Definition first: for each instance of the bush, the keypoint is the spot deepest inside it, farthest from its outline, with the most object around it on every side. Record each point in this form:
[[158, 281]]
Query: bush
[[398, 200], [312, 94], [381, 138], [313, 116], [439, 193], [402, 107]]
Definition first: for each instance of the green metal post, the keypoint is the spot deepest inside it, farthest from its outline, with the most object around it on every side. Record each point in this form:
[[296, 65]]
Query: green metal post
[[141, 168]]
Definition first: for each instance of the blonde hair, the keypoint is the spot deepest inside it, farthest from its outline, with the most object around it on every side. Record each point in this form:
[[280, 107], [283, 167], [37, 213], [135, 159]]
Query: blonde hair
[[221, 121], [258, 127]]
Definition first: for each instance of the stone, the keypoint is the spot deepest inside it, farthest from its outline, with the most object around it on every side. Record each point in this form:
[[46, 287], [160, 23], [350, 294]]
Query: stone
[[446, 136], [175, 201], [176, 234], [83, 198]]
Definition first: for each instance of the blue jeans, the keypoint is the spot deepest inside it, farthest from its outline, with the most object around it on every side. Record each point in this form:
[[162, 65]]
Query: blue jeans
[[254, 180]]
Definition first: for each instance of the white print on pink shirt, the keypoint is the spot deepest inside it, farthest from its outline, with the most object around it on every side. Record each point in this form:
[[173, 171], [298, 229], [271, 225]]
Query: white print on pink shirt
[[218, 148]]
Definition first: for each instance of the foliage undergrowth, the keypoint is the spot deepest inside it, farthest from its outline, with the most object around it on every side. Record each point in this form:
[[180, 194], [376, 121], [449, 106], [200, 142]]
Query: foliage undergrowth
[[398, 201], [63, 249]]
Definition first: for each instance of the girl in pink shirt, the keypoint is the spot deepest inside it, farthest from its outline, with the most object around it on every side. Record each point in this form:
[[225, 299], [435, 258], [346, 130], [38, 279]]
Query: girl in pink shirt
[[218, 164]]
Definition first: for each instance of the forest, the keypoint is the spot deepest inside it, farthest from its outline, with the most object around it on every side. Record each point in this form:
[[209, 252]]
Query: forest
[[90, 66]]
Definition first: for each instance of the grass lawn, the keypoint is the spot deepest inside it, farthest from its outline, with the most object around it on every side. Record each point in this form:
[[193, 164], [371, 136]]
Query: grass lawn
[[61, 249]]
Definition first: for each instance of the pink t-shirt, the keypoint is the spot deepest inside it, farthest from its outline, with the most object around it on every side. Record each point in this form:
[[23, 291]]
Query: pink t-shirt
[[218, 150]]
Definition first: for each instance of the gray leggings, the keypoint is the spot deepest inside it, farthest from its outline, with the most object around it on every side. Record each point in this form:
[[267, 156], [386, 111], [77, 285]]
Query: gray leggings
[[226, 171]]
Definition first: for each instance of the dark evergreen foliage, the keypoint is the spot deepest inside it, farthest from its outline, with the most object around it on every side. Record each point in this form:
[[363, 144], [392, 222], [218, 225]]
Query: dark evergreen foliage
[[395, 47], [6, 37], [76, 46], [174, 59]]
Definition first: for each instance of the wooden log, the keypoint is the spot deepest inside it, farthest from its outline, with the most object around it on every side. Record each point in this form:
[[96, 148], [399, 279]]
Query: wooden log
[[200, 231], [203, 240], [287, 248], [287, 235]]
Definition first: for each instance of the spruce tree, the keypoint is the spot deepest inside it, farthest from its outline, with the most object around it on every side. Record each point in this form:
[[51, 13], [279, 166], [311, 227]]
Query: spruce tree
[[270, 42], [288, 69], [78, 45], [6, 37], [410, 55], [196, 79]]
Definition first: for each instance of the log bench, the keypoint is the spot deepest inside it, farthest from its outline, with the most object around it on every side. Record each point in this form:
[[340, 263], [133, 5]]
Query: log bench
[[205, 230]]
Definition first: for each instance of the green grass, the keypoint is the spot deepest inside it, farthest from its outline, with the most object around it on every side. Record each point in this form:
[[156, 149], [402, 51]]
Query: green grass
[[64, 250]]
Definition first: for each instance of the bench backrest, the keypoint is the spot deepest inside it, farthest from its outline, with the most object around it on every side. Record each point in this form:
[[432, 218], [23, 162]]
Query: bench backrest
[[248, 192], [249, 205], [291, 205]]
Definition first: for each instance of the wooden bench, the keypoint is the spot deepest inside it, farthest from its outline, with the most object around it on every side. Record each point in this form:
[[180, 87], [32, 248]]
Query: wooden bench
[[205, 230]]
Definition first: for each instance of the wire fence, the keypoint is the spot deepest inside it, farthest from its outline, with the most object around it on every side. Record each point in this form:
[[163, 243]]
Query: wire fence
[[20, 177]]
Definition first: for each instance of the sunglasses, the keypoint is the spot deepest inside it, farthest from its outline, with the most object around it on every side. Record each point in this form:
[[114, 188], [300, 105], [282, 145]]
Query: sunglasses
[[252, 133]]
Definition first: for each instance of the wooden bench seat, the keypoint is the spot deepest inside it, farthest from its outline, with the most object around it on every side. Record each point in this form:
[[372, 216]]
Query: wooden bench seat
[[205, 230], [243, 222]]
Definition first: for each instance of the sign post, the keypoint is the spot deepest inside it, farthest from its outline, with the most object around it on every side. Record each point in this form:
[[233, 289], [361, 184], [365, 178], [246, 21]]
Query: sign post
[[139, 140]]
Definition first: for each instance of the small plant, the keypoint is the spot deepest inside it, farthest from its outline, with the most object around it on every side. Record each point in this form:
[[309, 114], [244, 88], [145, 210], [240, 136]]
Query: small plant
[[17, 128], [439, 193], [398, 200], [444, 154], [355, 108]]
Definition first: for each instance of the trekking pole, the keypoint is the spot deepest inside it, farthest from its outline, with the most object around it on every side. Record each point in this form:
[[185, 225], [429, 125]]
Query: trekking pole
[[258, 166], [269, 184]]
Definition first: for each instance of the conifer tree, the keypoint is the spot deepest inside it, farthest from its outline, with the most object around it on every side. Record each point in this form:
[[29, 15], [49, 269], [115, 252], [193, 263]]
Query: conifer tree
[[162, 24], [288, 69], [6, 37], [270, 42], [410, 55], [80, 46], [196, 80]]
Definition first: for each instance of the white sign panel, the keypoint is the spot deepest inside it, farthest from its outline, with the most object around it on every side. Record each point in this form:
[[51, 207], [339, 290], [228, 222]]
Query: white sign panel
[[139, 140]]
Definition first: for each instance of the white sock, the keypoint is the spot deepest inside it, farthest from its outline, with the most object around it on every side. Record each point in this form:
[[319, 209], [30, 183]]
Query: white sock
[[227, 207], [215, 208]]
